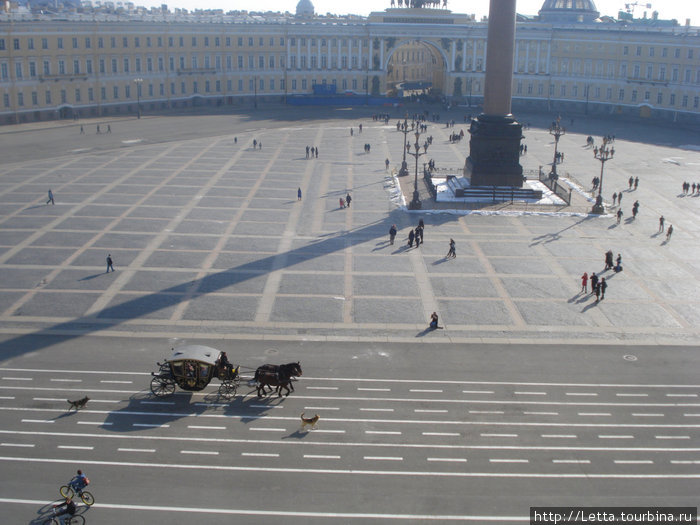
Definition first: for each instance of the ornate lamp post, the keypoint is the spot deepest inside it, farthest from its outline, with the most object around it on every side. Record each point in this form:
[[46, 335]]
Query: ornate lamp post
[[603, 154], [415, 204], [404, 167], [556, 131], [138, 82]]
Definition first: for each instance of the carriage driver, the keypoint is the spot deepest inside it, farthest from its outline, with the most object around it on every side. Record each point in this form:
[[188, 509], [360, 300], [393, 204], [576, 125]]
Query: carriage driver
[[224, 363]]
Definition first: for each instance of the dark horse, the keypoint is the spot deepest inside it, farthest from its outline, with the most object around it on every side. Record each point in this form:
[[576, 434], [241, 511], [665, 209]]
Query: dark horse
[[271, 379], [278, 376]]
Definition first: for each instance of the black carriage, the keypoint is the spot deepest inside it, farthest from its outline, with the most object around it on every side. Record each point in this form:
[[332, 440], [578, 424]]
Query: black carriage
[[192, 368]]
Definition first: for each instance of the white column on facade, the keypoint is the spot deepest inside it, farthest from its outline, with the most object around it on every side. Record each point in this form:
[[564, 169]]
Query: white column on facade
[[464, 55], [537, 64], [452, 58], [289, 53], [340, 43], [328, 53], [527, 56], [308, 53], [474, 55], [349, 53], [483, 58], [318, 54], [298, 59], [381, 52], [359, 54], [549, 56], [517, 56], [371, 53]]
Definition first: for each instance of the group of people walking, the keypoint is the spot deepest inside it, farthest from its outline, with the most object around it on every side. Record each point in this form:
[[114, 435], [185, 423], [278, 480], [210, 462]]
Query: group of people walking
[[313, 151]]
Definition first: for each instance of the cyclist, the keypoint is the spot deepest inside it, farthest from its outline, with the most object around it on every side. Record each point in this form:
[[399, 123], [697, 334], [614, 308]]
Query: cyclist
[[70, 508], [79, 482]]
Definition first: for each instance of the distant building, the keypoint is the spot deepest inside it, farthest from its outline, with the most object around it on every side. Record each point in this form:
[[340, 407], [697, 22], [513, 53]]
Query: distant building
[[567, 59]]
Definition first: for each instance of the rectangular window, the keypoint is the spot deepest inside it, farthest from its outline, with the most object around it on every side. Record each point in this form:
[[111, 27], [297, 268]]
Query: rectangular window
[[206, 41], [562, 91], [303, 83], [61, 67], [162, 89], [35, 98], [100, 42], [161, 64], [88, 43], [677, 53], [77, 95], [88, 66], [260, 42], [125, 42], [272, 62], [148, 41], [137, 64], [684, 101], [18, 70], [91, 94], [126, 65], [6, 100], [149, 64], [127, 91], [194, 62], [281, 41], [32, 69], [114, 65], [282, 84], [251, 62], [217, 42], [272, 84], [160, 41], [194, 41], [16, 44], [228, 41], [171, 63], [294, 84], [621, 95], [102, 65], [634, 95], [44, 43], [20, 99], [75, 42], [659, 98], [250, 41], [47, 96], [30, 44], [672, 100], [696, 102], [207, 86], [261, 62], [625, 50], [195, 87], [76, 67], [651, 51], [608, 93], [4, 72], [240, 41], [115, 92], [647, 95], [171, 42], [181, 41], [59, 43], [103, 93], [240, 84], [150, 90], [63, 96], [47, 67], [218, 86], [137, 41]]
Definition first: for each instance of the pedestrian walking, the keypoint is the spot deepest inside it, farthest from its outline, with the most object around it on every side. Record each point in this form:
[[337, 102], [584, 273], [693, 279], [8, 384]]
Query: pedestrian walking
[[584, 282], [98, 129], [348, 199], [661, 224], [597, 292], [109, 128], [341, 202], [235, 140], [50, 198], [618, 263], [608, 259], [636, 183], [298, 194], [631, 181], [307, 151], [635, 209], [386, 164], [603, 286], [619, 199], [669, 232], [316, 152], [619, 215], [110, 264], [255, 143], [614, 198], [434, 321], [82, 130], [452, 252], [411, 236], [392, 233], [594, 282], [417, 236]]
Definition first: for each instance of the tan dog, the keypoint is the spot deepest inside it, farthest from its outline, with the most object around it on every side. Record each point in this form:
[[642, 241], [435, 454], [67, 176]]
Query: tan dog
[[310, 421], [78, 403]]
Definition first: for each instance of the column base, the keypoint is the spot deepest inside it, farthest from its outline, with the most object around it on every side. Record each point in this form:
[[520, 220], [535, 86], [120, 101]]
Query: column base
[[494, 152]]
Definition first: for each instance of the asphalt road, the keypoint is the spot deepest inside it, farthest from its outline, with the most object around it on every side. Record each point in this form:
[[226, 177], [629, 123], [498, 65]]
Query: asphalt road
[[408, 431]]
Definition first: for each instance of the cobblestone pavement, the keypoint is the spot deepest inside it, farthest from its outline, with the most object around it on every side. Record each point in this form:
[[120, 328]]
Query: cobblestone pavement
[[209, 240]]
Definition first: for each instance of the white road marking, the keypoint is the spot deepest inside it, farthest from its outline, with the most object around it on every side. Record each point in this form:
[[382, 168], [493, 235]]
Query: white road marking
[[477, 392], [691, 415], [201, 404], [419, 390], [644, 414], [384, 432], [262, 429], [37, 421], [509, 460], [62, 400], [354, 472], [157, 402], [58, 380], [360, 389], [486, 412], [575, 461], [377, 409], [632, 395], [318, 456], [260, 454], [116, 382], [136, 449], [23, 445], [429, 411], [685, 462], [440, 434], [559, 436], [614, 437], [448, 460], [594, 414], [7, 397], [149, 425], [581, 394], [75, 447], [109, 401], [99, 423], [633, 461], [681, 395], [672, 437], [200, 452], [203, 427], [326, 431], [384, 458], [17, 378], [265, 406], [321, 408], [520, 393], [540, 413], [499, 435], [322, 388]]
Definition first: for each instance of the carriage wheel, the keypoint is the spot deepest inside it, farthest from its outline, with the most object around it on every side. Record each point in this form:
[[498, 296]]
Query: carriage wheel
[[228, 388], [162, 386]]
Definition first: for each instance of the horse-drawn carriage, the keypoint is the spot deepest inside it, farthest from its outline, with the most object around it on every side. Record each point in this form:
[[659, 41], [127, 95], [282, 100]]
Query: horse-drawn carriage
[[192, 368]]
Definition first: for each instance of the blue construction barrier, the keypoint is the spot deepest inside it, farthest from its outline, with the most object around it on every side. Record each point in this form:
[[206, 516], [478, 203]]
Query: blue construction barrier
[[342, 100]]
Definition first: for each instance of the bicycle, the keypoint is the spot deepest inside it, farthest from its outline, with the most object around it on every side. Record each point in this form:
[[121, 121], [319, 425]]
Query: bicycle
[[67, 491]]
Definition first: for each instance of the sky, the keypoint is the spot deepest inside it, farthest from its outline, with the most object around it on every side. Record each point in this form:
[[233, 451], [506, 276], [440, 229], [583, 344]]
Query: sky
[[668, 9]]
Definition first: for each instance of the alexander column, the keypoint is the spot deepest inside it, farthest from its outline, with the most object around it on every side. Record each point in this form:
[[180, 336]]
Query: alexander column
[[494, 147]]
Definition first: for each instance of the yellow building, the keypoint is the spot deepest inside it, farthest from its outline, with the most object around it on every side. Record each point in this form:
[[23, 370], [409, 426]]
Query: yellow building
[[64, 65]]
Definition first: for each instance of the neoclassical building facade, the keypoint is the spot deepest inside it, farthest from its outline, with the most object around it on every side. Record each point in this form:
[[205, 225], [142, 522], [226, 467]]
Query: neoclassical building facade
[[103, 64]]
